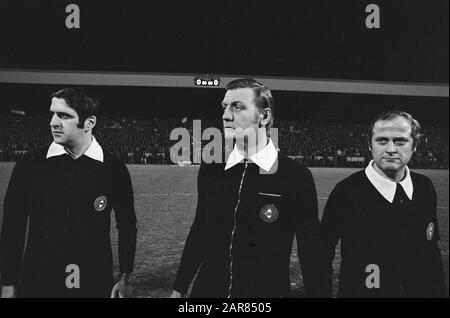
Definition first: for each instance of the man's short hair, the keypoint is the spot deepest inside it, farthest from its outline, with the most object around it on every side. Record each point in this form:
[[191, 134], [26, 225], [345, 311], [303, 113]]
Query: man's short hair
[[78, 99], [263, 96], [392, 114]]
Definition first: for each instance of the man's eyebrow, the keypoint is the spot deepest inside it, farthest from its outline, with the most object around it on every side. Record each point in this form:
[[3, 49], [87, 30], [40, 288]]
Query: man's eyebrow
[[401, 139], [61, 113], [232, 103]]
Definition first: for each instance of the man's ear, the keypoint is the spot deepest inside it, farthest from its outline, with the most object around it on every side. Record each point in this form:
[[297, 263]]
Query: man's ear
[[266, 116], [90, 123], [369, 144]]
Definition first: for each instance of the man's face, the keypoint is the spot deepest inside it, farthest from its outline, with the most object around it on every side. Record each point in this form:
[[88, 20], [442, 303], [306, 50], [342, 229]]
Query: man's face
[[64, 123], [392, 144], [240, 114]]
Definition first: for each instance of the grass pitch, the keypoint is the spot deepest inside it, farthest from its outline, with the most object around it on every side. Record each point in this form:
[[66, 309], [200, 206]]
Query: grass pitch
[[165, 201]]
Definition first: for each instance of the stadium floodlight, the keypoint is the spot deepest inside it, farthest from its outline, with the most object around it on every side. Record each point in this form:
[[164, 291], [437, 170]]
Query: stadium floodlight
[[207, 81]]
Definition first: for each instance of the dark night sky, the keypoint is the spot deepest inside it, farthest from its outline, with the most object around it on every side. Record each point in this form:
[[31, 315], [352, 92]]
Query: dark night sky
[[312, 38]]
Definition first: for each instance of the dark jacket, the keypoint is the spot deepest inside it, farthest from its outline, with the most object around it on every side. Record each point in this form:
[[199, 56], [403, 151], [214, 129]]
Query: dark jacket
[[242, 243], [67, 204], [374, 231]]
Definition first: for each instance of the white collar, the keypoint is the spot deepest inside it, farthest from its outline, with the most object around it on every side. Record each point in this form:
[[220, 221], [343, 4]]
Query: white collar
[[265, 158], [387, 187], [94, 151]]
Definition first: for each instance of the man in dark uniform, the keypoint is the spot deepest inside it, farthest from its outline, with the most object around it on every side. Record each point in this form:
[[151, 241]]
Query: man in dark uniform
[[249, 210], [65, 193], [385, 217]]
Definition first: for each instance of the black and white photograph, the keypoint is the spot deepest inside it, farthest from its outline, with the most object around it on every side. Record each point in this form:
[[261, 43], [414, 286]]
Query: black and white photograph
[[235, 150]]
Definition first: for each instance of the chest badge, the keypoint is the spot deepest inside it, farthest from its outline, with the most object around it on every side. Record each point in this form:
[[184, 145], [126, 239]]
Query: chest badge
[[269, 213], [430, 231], [100, 203]]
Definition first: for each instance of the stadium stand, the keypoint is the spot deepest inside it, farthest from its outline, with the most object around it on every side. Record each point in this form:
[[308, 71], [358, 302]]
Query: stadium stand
[[146, 140]]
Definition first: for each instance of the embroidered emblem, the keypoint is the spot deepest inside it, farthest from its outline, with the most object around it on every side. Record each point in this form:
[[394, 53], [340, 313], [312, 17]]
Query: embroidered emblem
[[269, 213], [100, 203], [430, 231]]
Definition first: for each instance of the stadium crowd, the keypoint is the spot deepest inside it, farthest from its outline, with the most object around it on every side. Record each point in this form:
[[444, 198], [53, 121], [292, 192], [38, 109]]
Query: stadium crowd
[[147, 140]]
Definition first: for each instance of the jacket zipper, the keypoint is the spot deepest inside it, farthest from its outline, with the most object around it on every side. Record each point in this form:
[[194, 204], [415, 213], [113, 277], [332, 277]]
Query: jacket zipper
[[234, 229]]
